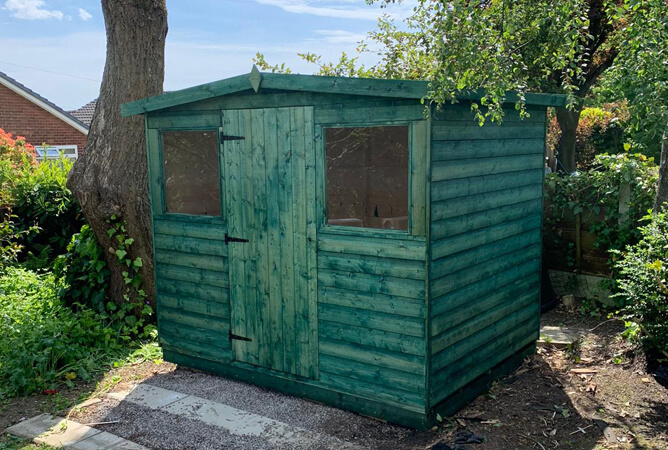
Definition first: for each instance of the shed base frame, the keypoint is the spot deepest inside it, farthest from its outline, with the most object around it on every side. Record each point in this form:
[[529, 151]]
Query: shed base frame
[[308, 389]]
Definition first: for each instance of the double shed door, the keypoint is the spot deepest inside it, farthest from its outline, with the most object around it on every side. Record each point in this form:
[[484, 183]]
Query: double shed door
[[270, 197]]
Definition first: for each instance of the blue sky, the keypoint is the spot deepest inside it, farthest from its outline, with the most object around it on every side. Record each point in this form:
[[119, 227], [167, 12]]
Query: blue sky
[[207, 40]]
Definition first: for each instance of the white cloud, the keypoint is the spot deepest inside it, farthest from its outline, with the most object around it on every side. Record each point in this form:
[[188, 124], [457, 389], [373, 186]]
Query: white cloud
[[31, 10], [85, 15], [340, 36], [340, 9]]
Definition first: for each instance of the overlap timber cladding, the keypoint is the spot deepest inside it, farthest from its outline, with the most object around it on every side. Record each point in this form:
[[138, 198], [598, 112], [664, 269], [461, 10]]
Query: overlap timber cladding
[[485, 244], [371, 291]]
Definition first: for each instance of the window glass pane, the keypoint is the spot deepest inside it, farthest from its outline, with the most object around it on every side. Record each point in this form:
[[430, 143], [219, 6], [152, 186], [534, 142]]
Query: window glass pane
[[367, 177], [192, 176]]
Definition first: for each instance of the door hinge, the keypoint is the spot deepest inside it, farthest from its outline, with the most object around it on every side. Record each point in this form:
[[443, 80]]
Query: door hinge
[[229, 239], [225, 137], [239, 338]]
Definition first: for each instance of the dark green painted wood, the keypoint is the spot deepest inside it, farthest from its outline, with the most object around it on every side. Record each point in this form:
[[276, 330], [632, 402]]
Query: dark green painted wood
[[373, 320], [463, 206], [464, 187], [189, 245], [451, 170], [373, 356], [370, 114], [309, 389], [363, 335], [401, 287], [174, 226], [371, 246], [371, 265], [463, 112], [401, 398], [472, 131], [199, 276], [195, 261], [194, 120], [475, 150], [195, 305], [267, 204], [389, 380], [334, 85], [187, 289], [390, 304]]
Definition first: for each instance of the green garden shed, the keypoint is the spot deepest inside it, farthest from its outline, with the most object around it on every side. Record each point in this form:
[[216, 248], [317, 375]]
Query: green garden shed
[[334, 239]]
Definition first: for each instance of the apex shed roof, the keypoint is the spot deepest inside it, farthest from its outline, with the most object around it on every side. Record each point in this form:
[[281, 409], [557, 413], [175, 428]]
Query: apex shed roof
[[257, 80]]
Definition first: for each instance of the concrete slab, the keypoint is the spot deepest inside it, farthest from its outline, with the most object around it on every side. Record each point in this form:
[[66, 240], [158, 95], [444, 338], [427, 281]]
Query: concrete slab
[[559, 336], [149, 396], [62, 433], [235, 421]]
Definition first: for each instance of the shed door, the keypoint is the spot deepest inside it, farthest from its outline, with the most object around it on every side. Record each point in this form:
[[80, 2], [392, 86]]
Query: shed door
[[270, 192]]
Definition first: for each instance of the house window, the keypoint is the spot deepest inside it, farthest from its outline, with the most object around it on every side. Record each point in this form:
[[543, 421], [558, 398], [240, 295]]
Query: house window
[[54, 151], [192, 174], [367, 177]]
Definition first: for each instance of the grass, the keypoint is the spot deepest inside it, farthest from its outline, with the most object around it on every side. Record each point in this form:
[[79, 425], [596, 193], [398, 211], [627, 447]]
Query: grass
[[14, 443]]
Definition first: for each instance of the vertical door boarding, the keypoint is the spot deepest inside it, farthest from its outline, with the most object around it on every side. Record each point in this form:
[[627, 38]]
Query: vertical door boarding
[[270, 195]]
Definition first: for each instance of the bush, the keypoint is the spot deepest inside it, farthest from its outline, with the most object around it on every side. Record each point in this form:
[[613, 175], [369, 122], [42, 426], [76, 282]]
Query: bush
[[596, 192], [643, 285], [40, 198], [43, 342]]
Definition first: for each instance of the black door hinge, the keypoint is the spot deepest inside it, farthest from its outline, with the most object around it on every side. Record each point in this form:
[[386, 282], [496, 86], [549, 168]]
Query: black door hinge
[[239, 338], [229, 239], [225, 137]]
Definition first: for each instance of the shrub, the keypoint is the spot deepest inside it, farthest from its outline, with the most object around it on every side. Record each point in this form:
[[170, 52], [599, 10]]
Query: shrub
[[597, 191], [43, 342], [17, 150], [642, 282], [40, 198]]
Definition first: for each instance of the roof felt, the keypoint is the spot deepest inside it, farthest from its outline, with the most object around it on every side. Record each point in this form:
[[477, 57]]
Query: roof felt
[[312, 83], [85, 113], [39, 98]]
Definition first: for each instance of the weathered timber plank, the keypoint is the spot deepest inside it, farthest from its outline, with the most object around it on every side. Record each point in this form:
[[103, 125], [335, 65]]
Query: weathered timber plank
[[386, 340], [479, 203], [388, 379], [168, 272], [468, 223], [195, 230], [385, 248], [466, 131], [368, 114], [458, 150], [401, 287], [213, 308], [464, 168], [195, 261], [419, 166], [195, 320], [189, 245], [373, 356], [373, 320], [390, 304], [471, 293], [200, 119], [462, 187], [414, 270], [187, 289]]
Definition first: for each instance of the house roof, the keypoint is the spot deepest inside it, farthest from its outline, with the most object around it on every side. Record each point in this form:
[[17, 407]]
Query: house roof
[[42, 102], [85, 113], [257, 80]]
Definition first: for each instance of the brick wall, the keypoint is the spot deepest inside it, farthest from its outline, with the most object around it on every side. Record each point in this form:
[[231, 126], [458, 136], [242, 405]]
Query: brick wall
[[21, 117]]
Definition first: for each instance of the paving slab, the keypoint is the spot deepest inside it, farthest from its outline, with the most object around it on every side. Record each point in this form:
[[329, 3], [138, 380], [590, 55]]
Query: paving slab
[[59, 432], [149, 396], [559, 336]]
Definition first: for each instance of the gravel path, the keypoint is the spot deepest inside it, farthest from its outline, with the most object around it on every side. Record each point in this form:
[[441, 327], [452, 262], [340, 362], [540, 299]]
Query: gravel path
[[160, 430]]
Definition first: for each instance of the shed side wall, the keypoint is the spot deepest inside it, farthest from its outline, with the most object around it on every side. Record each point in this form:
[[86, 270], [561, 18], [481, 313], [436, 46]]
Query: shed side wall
[[485, 243]]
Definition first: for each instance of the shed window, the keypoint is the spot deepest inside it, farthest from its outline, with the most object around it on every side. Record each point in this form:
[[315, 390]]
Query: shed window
[[192, 174], [367, 177]]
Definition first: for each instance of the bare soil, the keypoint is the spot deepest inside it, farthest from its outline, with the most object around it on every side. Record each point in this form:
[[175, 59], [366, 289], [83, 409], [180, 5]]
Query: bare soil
[[564, 398]]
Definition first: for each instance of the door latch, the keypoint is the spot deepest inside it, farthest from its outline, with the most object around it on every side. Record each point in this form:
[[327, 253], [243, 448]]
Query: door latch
[[229, 239], [227, 137], [239, 338]]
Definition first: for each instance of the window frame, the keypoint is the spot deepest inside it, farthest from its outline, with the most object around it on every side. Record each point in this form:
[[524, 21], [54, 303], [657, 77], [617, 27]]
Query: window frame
[[323, 225], [161, 162], [59, 148]]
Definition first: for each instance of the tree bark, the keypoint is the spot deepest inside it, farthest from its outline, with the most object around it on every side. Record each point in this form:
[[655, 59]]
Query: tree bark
[[568, 124], [110, 177], [662, 189]]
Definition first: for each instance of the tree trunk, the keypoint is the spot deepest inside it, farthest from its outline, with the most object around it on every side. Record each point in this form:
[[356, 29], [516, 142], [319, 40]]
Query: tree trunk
[[662, 189], [110, 177], [568, 124]]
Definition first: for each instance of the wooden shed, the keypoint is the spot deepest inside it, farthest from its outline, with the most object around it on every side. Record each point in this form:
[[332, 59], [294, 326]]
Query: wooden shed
[[325, 237]]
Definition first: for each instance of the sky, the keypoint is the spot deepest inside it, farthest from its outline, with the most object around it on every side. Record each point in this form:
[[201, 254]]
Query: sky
[[57, 47]]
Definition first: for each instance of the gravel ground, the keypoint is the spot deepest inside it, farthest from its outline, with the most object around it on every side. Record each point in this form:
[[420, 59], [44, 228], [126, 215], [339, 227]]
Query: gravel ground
[[164, 431]]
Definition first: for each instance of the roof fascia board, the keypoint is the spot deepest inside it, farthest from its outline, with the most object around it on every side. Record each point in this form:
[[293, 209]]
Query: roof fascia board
[[311, 83], [45, 106]]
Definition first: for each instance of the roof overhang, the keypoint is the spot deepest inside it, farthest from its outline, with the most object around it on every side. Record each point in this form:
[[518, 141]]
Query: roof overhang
[[45, 105], [257, 80]]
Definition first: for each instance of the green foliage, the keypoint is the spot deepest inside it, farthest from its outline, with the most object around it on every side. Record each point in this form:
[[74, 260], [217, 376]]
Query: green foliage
[[643, 271], [85, 275], [84, 271], [595, 194], [43, 343], [45, 208]]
